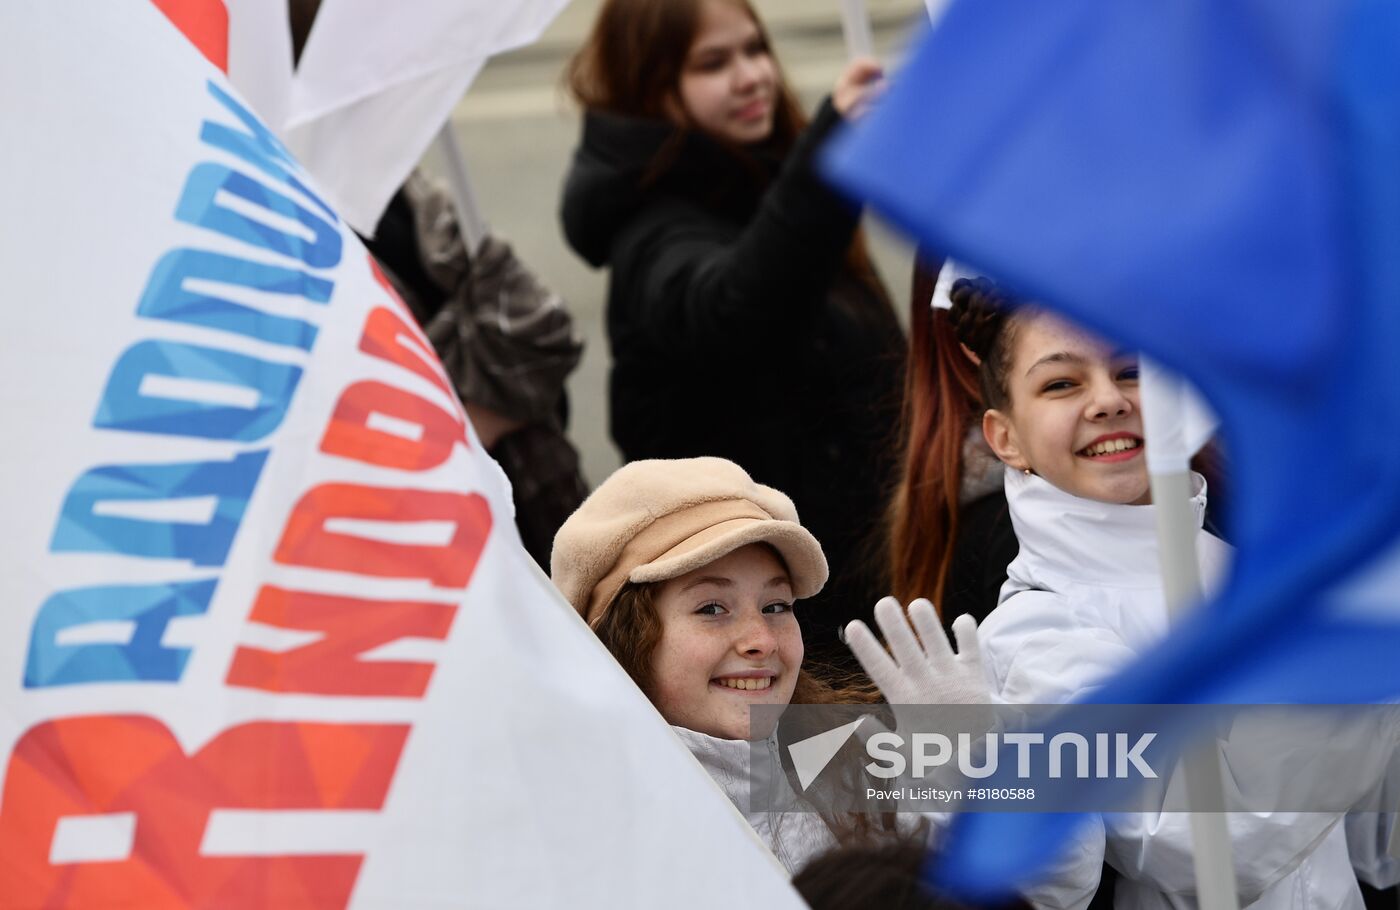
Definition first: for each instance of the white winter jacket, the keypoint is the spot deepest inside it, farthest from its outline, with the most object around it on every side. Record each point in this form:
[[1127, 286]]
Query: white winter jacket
[[1083, 598]]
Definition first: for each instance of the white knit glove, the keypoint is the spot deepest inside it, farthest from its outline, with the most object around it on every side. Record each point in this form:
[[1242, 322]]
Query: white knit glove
[[926, 673], [922, 671]]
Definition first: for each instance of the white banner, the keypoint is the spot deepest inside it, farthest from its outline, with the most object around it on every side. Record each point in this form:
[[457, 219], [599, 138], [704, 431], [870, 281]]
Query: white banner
[[269, 638]]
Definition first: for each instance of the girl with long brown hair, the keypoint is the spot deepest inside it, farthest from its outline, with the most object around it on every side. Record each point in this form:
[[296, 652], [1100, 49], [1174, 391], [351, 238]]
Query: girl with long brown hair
[[688, 571], [744, 318]]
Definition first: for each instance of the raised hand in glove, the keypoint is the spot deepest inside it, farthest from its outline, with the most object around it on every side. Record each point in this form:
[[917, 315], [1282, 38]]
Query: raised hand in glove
[[923, 670]]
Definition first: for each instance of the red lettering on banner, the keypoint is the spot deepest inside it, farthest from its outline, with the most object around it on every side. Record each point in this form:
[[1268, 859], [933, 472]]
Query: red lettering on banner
[[390, 338], [307, 542], [351, 436], [83, 766], [332, 665], [204, 23]]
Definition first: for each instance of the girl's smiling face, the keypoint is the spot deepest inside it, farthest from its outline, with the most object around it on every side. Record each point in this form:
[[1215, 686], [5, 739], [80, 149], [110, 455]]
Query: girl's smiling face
[[1074, 416], [728, 641]]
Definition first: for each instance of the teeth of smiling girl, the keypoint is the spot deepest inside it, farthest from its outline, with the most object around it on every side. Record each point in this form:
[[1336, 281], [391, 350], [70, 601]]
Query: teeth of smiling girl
[[1112, 445], [747, 683]]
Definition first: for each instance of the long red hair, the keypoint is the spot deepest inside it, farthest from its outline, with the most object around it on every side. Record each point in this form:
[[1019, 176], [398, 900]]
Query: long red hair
[[941, 401]]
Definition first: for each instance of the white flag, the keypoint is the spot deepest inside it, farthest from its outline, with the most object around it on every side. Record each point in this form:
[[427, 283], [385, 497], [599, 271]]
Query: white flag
[[1177, 421], [269, 637], [376, 81]]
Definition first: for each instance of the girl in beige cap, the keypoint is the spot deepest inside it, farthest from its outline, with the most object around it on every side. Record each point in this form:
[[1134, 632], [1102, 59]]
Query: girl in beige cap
[[688, 571]]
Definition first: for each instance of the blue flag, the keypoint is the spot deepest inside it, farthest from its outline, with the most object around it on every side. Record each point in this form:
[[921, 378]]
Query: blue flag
[[1218, 185]]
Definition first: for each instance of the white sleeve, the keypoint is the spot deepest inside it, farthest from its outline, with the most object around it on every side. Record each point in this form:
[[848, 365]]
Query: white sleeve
[[1155, 848], [1040, 649], [1067, 885], [1074, 879], [1036, 652], [1268, 757]]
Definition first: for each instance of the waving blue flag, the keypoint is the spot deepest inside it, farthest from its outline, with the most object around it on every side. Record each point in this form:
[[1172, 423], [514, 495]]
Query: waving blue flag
[[1217, 184]]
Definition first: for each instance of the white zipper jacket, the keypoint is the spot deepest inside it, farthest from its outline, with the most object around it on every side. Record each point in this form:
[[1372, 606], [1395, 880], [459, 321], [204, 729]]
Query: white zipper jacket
[[1083, 598]]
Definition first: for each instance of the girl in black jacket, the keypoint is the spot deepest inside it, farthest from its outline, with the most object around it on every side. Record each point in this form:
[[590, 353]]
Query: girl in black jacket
[[744, 317]]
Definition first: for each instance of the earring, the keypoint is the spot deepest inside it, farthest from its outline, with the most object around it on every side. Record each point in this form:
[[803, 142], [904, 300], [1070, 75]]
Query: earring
[[1026, 471]]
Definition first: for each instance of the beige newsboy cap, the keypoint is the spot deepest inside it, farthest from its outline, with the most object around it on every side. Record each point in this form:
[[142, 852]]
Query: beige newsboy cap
[[656, 520]]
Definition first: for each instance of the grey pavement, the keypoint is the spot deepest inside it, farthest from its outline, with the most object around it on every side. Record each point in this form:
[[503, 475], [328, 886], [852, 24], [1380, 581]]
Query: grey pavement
[[518, 129]]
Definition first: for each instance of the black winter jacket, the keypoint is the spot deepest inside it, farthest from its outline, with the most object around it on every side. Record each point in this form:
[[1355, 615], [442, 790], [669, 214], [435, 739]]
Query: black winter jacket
[[737, 330]]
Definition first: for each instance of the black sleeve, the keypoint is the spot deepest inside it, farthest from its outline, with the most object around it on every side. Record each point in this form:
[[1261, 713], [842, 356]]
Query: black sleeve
[[694, 285]]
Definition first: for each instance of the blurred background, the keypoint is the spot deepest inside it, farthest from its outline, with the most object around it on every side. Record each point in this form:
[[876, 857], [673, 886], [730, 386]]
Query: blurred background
[[517, 129]]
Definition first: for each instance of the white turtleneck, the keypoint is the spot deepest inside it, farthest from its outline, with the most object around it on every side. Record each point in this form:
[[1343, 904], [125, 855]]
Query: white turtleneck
[[1088, 573], [1082, 599]]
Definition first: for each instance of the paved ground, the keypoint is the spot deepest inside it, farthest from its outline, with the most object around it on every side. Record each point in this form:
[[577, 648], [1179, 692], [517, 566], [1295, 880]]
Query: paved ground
[[518, 130]]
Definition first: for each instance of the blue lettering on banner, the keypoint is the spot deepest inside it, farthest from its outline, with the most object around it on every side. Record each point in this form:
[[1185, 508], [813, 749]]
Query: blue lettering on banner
[[167, 297], [141, 658], [198, 205], [210, 393], [125, 406], [81, 530], [259, 147]]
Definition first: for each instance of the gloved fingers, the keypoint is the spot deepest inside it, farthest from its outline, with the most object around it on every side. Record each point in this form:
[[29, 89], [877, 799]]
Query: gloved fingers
[[930, 629], [878, 664], [889, 615], [965, 631]]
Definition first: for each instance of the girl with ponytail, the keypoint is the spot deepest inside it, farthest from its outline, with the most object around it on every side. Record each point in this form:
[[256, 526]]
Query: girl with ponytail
[[950, 537]]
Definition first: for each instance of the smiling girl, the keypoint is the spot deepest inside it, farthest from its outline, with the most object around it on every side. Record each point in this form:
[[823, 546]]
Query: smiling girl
[[1084, 596], [687, 571]]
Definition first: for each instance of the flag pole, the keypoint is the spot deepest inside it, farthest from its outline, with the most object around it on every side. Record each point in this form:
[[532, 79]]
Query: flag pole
[[936, 9], [1168, 464], [468, 211], [855, 25]]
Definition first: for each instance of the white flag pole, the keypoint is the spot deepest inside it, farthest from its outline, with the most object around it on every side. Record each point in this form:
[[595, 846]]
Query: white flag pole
[[855, 25], [1168, 463], [468, 211], [936, 9]]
